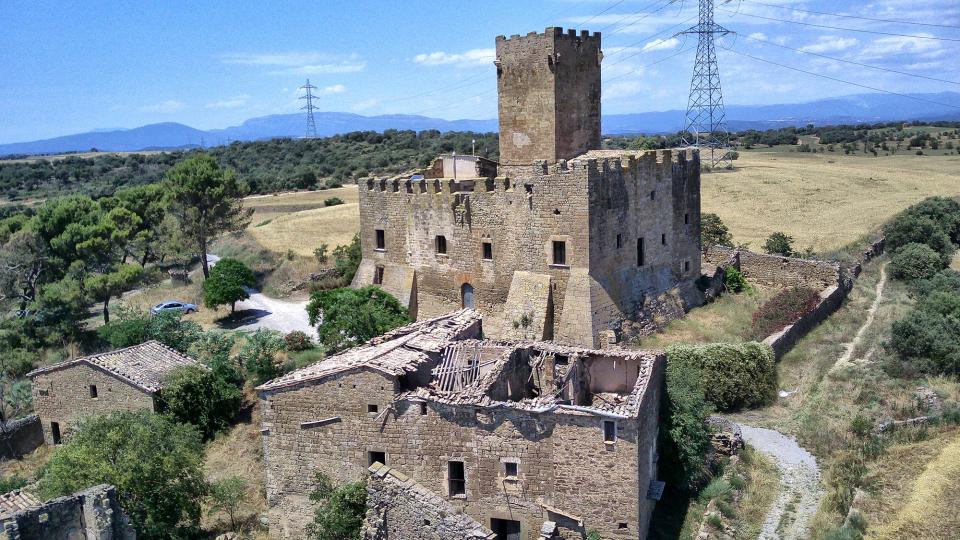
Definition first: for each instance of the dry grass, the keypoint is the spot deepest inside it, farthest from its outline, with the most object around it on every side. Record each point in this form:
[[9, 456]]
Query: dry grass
[[822, 200], [762, 487], [27, 466], [303, 231]]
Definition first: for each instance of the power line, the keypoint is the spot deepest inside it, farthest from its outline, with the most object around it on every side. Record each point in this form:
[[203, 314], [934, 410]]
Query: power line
[[594, 16], [664, 59], [309, 107], [891, 21], [642, 10], [852, 61], [875, 89], [641, 40], [914, 36]]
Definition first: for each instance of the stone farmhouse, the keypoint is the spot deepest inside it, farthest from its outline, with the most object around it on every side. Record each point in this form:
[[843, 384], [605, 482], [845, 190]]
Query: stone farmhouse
[[468, 437], [121, 380], [559, 240]]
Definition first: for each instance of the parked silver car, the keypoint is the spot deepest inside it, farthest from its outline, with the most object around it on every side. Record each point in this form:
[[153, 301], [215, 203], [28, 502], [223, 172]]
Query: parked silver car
[[173, 305]]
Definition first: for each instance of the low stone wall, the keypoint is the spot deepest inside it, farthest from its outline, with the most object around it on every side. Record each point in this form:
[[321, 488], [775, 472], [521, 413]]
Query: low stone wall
[[398, 508], [93, 514], [784, 340], [775, 270], [19, 437]]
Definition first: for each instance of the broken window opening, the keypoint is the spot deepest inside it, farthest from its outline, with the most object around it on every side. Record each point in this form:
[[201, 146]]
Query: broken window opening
[[511, 469], [93, 391], [559, 252], [686, 266], [55, 432], [663, 239], [423, 409], [441, 245], [653, 195], [372, 408], [457, 479], [619, 240], [686, 219], [381, 240], [376, 457], [609, 431]]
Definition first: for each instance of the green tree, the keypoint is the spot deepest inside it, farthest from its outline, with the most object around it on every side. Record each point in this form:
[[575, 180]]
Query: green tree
[[734, 375], [227, 495], [909, 228], [347, 258], [916, 261], [206, 200], [713, 232], [684, 436], [340, 511], [149, 203], [259, 354], [132, 328], [155, 463], [198, 396], [228, 283], [105, 286], [353, 316], [779, 243], [24, 259]]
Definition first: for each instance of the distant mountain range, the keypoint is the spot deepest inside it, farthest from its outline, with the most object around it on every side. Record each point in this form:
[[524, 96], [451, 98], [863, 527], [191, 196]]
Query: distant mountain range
[[855, 109]]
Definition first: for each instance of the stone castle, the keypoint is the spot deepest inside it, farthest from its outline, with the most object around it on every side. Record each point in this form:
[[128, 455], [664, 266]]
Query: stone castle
[[559, 240]]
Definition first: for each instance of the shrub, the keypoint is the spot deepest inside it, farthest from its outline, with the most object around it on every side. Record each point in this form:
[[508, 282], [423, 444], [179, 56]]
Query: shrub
[[910, 228], [340, 512], [915, 261], [321, 254], [347, 258], [685, 435], [332, 201], [945, 212], [169, 328], [228, 283], [943, 281], [713, 232], [779, 243], [198, 396], [226, 496], [734, 375], [783, 309], [929, 339], [259, 355], [733, 280], [155, 463], [352, 316], [297, 341]]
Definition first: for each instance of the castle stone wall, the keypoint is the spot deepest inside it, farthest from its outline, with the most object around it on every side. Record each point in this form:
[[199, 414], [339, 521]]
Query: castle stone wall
[[93, 514]]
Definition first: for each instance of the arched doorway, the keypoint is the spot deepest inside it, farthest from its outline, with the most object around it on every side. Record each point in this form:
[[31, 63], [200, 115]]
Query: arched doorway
[[466, 296]]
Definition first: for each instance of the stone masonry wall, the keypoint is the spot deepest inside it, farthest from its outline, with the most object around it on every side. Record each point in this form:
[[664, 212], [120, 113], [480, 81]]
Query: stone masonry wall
[[398, 508], [93, 514], [779, 271], [63, 396], [21, 436], [564, 464]]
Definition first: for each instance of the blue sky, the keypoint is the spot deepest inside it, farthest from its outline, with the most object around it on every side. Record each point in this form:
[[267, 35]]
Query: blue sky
[[67, 67]]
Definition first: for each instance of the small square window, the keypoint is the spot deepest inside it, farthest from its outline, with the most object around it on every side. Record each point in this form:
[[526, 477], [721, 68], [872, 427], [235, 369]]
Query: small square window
[[663, 239], [559, 252], [43, 392], [622, 525], [441, 245], [381, 240], [93, 391], [619, 241], [487, 250], [376, 457], [609, 431], [511, 469], [372, 408], [423, 409]]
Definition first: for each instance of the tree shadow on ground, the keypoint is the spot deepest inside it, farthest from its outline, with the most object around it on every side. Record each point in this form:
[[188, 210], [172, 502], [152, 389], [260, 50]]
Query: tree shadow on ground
[[242, 318]]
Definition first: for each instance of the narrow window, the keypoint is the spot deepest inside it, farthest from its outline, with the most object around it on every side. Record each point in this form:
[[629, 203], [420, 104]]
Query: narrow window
[[441, 245], [663, 239], [372, 408], [640, 252], [487, 250], [378, 275], [686, 219], [619, 241], [381, 240], [93, 391], [376, 457], [457, 479], [466, 296], [55, 432], [653, 195], [622, 525], [609, 431], [510, 469], [423, 409], [686, 266], [559, 252]]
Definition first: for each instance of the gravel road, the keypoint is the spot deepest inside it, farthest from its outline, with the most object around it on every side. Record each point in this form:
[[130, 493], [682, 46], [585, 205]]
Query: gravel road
[[800, 488]]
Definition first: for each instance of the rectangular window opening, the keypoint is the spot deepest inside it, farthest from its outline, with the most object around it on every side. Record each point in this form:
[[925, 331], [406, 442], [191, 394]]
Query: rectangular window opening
[[505, 529], [686, 266], [559, 252], [93, 391], [372, 408], [423, 409], [663, 239], [381, 240], [457, 479], [441, 245], [653, 195], [510, 469], [609, 431], [378, 275], [640, 252], [488, 250], [55, 432], [619, 241], [622, 525], [686, 219], [376, 457]]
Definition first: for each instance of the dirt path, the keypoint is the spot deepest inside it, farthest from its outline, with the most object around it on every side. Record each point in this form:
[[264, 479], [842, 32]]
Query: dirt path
[[800, 489], [847, 359], [262, 311]]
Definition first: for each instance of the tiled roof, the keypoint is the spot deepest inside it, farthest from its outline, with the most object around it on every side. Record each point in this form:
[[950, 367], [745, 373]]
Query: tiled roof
[[144, 366], [394, 353], [16, 501]]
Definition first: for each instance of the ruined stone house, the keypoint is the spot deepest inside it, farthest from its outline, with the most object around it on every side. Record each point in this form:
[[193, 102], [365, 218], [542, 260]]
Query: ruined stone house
[[478, 438], [121, 380], [91, 514], [560, 240]]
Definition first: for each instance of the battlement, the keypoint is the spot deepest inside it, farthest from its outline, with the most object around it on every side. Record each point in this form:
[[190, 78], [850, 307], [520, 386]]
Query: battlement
[[556, 32]]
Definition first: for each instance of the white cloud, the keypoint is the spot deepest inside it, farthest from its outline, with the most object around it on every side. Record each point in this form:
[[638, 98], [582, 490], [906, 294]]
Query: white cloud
[[335, 89], [298, 63], [168, 106], [622, 89], [661, 45], [759, 35], [230, 103], [915, 46], [364, 105], [322, 69], [826, 44], [473, 57]]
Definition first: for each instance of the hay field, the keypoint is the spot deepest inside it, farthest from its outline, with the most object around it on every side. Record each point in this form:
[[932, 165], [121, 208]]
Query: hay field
[[299, 222], [822, 200]]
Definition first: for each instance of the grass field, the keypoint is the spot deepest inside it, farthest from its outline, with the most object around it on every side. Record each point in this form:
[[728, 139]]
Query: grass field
[[299, 222]]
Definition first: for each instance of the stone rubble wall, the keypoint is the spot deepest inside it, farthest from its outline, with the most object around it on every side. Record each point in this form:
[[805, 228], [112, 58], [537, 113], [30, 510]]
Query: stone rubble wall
[[21, 436], [92, 514], [398, 508], [776, 270], [783, 341]]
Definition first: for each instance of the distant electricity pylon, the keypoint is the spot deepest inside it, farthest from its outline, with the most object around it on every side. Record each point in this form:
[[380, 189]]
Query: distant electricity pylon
[[706, 118], [309, 107]]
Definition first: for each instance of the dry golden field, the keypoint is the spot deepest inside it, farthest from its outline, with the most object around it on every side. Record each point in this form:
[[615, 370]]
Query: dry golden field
[[299, 222], [822, 200]]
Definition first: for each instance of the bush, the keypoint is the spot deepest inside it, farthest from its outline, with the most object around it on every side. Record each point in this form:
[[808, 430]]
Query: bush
[[226, 496], [783, 309], [155, 463], [347, 258], [713, 232], [910, 228], [228, 283], [259, 355], [929, 340], [193, 395], [734, 375], [297, 341], [340, 512], [332, 201], [779, 243], [321, 254], [916, 261], [733, 280], [685, 435], [169, 328], [353, 316]]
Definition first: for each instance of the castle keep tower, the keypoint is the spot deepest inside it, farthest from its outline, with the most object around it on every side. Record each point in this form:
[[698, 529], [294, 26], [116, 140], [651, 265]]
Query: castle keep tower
[[549, 90]]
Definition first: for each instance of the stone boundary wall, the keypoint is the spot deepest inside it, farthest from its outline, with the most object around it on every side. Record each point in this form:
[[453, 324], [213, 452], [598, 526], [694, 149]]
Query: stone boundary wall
[[398, 508], [93, 514], [21, 436], [783, 341]]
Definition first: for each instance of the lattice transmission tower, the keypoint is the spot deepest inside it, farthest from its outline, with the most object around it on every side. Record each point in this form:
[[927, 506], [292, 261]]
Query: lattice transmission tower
[[706, 126], [309, 107]]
